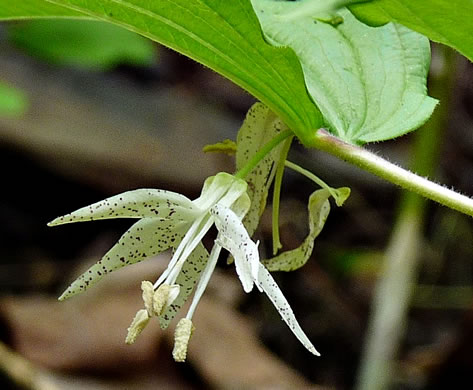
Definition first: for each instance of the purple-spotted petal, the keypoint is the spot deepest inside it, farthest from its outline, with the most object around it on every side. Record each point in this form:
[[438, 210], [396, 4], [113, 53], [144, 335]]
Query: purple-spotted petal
[[274, 293], [143, 203], [147, 237], [234, 238]]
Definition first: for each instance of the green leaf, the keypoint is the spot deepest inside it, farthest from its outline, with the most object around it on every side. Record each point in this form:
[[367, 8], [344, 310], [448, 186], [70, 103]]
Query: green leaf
[[225, 36], [259, 127], [84, 43], [369, 83], [28, 9], [319, 208], [13, 102], [448, 22], [340, 195]]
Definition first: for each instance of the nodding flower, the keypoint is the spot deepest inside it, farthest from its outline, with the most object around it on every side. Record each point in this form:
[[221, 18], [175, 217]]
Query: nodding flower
[[168, 220]]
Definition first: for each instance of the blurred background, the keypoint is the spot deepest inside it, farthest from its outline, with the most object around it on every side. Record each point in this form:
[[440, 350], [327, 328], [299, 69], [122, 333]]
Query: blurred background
[[88, 110]]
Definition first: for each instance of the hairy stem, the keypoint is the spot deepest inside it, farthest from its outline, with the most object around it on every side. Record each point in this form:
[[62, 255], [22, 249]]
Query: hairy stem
[[377, 165]]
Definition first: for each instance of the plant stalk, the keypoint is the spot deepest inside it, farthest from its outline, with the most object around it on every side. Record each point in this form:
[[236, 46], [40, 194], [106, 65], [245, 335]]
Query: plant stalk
[[277, 195], [377, 165]]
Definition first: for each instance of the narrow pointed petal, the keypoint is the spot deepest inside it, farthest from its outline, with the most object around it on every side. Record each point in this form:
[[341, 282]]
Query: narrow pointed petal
[[242, 267], [234, 238], [187, 279], [240, 207], [272, 290], [259, 127], [141, 203], [145, 238]]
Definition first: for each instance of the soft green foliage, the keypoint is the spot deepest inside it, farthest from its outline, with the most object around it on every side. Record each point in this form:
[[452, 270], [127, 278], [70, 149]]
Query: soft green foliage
[[13, 102], [259, 127], [28, 9], [448, 22], [368, 82], [319, 208], [225, 36], [84, 43]]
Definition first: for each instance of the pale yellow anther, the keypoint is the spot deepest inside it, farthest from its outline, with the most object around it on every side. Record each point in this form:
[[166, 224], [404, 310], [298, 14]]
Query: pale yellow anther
[[160, 298], [182, 336], [137, 325], [148, 294], [164, 296]]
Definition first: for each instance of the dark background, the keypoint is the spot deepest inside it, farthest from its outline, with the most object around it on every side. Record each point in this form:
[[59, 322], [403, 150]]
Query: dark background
[[88, 134]]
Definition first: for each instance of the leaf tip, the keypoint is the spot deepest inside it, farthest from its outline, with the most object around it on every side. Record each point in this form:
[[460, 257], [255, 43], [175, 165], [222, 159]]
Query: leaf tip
[[343, 194]]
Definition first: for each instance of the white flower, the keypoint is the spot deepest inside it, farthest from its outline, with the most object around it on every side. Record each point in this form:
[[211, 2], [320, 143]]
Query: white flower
[[170, 220]]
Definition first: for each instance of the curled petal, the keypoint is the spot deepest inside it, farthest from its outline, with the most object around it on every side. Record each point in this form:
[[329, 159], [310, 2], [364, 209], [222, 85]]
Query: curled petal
[[319, 208]]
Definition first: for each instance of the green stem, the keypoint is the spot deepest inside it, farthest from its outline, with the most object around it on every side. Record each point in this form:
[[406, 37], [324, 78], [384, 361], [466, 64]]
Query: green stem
[[312, 177], [370, 162], [277, 194], [241, 174]]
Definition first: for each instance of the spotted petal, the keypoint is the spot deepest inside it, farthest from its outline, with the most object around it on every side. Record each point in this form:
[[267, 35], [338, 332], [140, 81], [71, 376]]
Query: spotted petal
[[272, 290], [214, 188], [145, 238], [141, 203], [234, 238], [259, 127], [319, 208]]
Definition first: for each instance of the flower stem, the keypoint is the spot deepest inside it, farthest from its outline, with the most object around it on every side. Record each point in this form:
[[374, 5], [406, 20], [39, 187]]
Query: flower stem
[[241, 174], [311, 176], [277, 194], [370, 162]]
